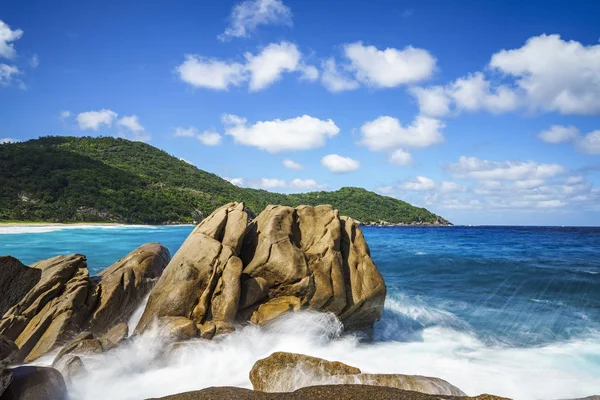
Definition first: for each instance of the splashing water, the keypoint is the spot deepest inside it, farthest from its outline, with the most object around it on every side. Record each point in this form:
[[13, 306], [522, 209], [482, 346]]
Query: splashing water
[[509, 311]]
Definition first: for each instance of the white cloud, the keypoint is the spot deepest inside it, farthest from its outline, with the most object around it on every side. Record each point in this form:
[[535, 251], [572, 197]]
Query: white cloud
[[236, 181], [386, 133], [475, 168], [34, 61], [290, 164], [8, 140], [210, 73], [7, 74], [401, 157], [334, 80], [551, 203], [385, 190], [208, 138], [451, 187], [249, 14], [268, 183], [306, 184], [589, 143], [554, 74], [64, 114], [267, 67], [338, 164], [300, 133], [131, 122], [92, 120], [259, 71], [7, 35], [433, 101], [559, 134], [186, 161], [418, 184], [390, 67]]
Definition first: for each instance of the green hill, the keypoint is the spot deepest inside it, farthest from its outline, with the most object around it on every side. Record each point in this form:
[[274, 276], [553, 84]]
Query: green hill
[[69, 179]]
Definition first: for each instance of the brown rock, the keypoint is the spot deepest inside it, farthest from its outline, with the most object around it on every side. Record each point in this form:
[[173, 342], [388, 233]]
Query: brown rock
[[275, 308], [115, 336], [54, 309], [16, 280], [253, 291], [178, 328], [202, 281], [124, 284], [277, 373], [82, 344], [326, 392], [286, 372], [365, 289], [39, 383]]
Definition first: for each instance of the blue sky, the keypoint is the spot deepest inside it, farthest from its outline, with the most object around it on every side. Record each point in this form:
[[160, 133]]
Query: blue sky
[[485, 112]]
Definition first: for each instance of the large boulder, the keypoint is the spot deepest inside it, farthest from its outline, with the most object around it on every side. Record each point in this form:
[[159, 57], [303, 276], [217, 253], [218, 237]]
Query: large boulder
[[124, 284], [39, 383], [286, 372], [54, 309], [286, 260], [202, 281], [309, 257], [8, 353]]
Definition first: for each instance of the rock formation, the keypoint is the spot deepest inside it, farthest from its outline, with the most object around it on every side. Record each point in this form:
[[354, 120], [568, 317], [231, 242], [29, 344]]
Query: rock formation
[[327, 392], [64, 300], [286, 372], [39, 383], [8, 353], [285, 260]]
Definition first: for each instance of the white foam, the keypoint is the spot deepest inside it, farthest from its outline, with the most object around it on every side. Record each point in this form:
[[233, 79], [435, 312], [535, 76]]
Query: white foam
[[21, 229], [137, 370]]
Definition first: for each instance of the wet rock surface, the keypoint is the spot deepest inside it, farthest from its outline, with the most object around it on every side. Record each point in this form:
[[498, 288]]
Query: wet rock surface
[[39, 383]]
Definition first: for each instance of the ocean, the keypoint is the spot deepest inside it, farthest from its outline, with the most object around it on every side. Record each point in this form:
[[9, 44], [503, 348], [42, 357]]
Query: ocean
[[512, 311]]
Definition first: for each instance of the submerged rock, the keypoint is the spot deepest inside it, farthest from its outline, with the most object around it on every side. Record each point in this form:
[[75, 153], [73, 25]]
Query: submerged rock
[[323, 392], [287, 259], [39, 383], [286, 372]]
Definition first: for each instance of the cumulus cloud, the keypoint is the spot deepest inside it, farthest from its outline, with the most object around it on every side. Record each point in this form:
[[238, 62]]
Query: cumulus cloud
[[335, 80], [248, 15], [275, 183], [419, 183], [93, 120], [207, 138], [546, 74], [8, 74], [401, 157], [290, 164], [386, 133], [390, 67], [588, 143], [258, 71], [7, 36], [559, 134], [300, 133], [554, 74], [377, 68], [133, 129], [338, 164], [475, 168]]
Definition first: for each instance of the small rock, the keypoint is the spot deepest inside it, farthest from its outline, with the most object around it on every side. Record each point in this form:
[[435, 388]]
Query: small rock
[[115, 336], [178, 328], [39, 383]]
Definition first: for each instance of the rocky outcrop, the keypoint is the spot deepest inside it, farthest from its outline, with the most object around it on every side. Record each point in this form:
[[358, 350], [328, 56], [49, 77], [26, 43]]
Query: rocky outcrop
[[54, 309], [17, 280], [40, 383], [115, 336], [286, 372], [286, 260], [124, 284], [327, 392], [202, 281], [8, 353], [64, 300]]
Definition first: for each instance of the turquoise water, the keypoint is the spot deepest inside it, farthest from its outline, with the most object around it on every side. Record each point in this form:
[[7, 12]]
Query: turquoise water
[[504, 304]]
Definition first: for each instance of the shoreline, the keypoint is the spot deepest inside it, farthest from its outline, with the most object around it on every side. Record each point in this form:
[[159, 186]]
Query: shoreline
[[50, 224]]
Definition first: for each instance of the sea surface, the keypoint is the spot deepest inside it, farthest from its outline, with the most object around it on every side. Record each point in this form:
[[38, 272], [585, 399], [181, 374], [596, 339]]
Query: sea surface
[[513, 311]]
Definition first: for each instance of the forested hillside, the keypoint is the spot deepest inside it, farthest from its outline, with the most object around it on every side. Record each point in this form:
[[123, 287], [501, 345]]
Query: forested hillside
[[69, 179]]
